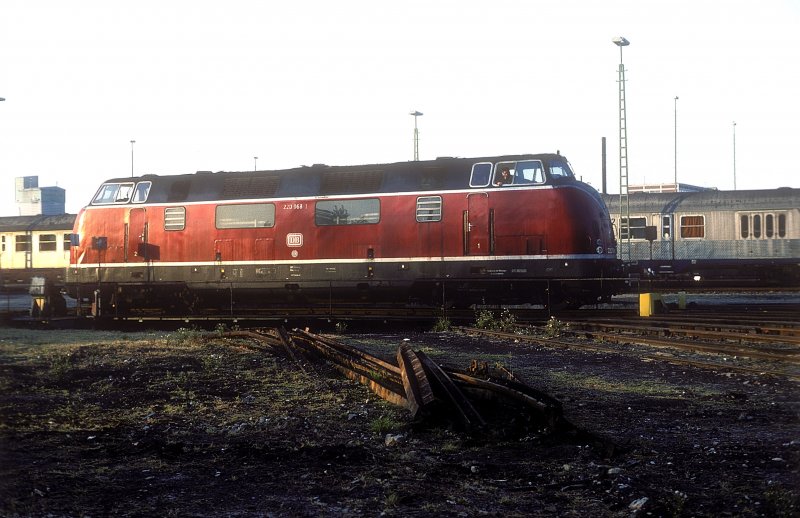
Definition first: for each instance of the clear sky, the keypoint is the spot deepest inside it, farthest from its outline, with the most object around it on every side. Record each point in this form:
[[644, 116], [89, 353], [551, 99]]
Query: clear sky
[[202, 85]]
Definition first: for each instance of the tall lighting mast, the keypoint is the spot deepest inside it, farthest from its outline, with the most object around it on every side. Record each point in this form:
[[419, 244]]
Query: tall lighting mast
[[624, 203], [416, 114]]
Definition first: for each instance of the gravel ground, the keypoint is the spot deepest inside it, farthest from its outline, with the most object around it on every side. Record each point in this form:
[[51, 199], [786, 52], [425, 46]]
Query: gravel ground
[[145, 424]]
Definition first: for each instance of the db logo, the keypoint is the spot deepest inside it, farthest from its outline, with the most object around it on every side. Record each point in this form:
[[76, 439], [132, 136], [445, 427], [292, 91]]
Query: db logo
[[294, 240]]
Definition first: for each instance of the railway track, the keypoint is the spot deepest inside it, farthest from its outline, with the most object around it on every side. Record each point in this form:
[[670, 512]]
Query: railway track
[[481, 400], [716, 346]]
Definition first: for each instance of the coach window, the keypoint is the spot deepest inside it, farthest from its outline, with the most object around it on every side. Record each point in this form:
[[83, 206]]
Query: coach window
[[3, 245], [636, 228], [481, 174], [141, 192], [757, 226], [429, 209], [744, 223], [781, 225], [250, 215], [174, 218], [67, 242], [769, 226], [347, 212], [22, 243], [48, 243], [693, 227]]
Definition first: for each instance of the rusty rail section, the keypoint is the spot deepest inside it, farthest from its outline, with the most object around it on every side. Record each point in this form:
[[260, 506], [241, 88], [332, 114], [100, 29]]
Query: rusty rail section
[[480, 399]]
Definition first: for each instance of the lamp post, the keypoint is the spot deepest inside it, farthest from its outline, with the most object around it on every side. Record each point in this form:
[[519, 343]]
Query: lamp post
[[132, 143], [734, 155], [255, 163], [624, 203], [416, 114], [676, 143]]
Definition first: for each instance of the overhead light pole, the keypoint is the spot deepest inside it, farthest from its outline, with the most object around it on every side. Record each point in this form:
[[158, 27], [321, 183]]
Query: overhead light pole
[[734, 155], [676, 142], [624, 203], [255, 163], [416, 114], [132, 143]]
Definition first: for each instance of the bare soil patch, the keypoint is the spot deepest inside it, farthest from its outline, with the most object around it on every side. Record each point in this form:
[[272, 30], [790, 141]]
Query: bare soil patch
[[144, 424]]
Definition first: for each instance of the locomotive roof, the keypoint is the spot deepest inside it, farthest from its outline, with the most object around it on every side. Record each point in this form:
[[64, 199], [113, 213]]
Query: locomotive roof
[[705, 201], [323, 180], [24, 223]]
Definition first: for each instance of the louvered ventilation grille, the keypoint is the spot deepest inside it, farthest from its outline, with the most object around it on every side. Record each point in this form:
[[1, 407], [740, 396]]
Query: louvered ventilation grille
[[250, 187]]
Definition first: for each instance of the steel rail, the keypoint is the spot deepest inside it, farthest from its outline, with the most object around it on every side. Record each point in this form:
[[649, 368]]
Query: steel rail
[[549, 342]]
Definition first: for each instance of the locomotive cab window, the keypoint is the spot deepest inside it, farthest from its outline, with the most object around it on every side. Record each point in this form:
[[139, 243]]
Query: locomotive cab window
[[141, 192], [347, 212], [505, 173], [530, 171], [560, 168], [113, 193], [481, 174]]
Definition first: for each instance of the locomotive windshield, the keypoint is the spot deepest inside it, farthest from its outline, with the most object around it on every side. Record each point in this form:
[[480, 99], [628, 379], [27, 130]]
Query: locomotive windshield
[[559, 168], [122, 193]]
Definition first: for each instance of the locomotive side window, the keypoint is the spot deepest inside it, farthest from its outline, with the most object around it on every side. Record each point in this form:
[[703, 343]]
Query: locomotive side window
[[141, 192], [429, 209], [769, 226], [174, 218], [666, 227], [693, 227], [48, 243], [744, 224], [481, 174], [781, 225], [347, 212], [251, 215]]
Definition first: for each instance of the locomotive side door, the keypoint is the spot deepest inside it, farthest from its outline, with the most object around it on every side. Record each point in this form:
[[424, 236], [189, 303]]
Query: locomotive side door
[[136, 236], [476, 224]]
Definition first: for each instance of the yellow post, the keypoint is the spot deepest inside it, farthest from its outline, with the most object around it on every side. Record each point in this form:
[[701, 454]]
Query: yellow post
[[649, 303]]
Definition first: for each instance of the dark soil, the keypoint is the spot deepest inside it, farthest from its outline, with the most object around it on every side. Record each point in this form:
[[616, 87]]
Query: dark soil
[[97, 424]]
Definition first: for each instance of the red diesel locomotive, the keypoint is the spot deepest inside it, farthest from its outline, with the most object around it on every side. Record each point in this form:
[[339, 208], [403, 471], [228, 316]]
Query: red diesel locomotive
[[498, 230]]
